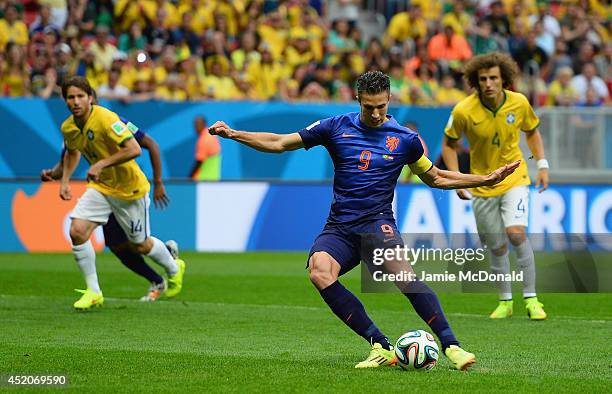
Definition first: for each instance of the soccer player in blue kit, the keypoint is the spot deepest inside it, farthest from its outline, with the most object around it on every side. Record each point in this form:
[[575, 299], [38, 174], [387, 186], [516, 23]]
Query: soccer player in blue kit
[[368, 149]]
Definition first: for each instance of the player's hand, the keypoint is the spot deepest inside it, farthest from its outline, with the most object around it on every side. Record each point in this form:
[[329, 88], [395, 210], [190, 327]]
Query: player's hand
[[160, 198], [501, 173], [221, 129], [94, 172], [46, 175], [65, 192], [463, 194], [542, 180]]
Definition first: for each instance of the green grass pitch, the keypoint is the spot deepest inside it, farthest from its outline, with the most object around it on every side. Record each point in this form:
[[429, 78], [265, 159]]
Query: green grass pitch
[[253, 322]]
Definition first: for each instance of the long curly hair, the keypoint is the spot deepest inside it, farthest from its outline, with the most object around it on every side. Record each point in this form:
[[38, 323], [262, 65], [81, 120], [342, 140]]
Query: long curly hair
[[507, 66]]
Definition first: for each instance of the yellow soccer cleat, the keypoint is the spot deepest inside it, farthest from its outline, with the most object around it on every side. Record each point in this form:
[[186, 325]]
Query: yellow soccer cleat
[[175, 282], [88, 300], [460, 359], [534, 309], [503, 310], [378, 357]]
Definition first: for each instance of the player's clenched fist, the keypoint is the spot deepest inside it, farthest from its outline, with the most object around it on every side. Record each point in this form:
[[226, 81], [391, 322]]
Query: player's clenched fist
[[221, 129]]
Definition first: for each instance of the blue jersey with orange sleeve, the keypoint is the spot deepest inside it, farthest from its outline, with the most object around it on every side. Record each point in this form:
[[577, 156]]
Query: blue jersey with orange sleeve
[[367, 163]]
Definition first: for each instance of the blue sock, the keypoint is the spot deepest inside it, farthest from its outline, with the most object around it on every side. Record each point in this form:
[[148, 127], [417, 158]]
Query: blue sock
[[137, 264], [426, 304], [350, 310]]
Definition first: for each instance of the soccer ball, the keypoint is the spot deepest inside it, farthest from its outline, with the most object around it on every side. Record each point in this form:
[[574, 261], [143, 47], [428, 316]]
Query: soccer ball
[[416, 351]]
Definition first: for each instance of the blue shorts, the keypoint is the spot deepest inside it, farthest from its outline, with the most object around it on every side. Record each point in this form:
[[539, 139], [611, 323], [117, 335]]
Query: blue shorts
[[351, 244], [113, 233]]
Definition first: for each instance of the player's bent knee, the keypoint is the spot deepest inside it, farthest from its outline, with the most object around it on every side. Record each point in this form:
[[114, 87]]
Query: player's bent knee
[[322, 270], [516, 235], [501, 250], [78, 234]]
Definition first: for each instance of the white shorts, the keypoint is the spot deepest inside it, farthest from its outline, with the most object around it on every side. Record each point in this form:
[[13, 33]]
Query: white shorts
[[495, 214], [132, 215]]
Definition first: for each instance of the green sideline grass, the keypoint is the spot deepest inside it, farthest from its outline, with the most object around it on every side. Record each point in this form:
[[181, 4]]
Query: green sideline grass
[[253, 322]]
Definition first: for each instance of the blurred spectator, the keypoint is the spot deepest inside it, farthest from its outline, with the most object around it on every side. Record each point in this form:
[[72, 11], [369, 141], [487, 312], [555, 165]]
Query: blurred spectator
[[246, 53], [65, 64], [449, 49], [447, 94], [94, 13], [559, 59], [15, 80], [485, 42], [102, 49], [588, 79], [113, 90], [339, 39], [132, 40], [12, 28], [348, 9], [560, 91], [273, 32], [157, 35], [406, 25], [207, 166], [317, 83], [529, 52], [266, 74], [298, 51], [217, 84], [499, 19], [460, 20], [59, 11], [92, 70], [42, 21]]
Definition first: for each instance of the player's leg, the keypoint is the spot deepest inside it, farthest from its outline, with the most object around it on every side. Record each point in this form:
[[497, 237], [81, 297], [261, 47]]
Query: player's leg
[[331, 256], [119, 245], [90, 211], [489, 223], [133, 217], [514, 205], [383, 234]]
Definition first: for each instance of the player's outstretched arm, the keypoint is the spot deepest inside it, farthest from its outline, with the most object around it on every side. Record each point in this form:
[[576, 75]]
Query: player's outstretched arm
[[160, 198], [263, 142], [455, 180]]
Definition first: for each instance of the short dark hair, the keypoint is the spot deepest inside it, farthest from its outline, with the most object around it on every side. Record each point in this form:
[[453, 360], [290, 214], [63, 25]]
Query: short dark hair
[[373, 82], [507, 67], [78, 82]]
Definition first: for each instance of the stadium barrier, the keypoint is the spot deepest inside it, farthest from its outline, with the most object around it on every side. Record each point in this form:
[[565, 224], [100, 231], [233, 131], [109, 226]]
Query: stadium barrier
[[250, 216]]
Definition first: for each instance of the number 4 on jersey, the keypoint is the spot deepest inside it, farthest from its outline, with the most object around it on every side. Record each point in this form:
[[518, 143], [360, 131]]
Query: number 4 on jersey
[[495, 140]]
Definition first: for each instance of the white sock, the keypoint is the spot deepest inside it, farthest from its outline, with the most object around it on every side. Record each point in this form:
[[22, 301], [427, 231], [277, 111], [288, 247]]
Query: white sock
[[85, 256], [526, 263], [501, 265], [159, 253]]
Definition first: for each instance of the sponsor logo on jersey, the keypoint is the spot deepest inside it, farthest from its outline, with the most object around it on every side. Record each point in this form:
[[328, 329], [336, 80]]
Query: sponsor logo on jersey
[[118, 127]]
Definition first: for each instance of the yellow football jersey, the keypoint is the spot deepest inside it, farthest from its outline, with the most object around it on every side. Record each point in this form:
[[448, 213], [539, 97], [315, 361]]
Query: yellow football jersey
[[101, 137], [494, 137]]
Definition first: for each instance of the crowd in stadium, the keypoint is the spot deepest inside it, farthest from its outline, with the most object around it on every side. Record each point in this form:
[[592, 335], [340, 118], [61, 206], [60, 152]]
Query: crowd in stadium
[[299, 50]]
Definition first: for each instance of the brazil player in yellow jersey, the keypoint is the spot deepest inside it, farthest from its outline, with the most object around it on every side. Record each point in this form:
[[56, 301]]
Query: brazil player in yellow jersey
[[492, 119], [115, 185]]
